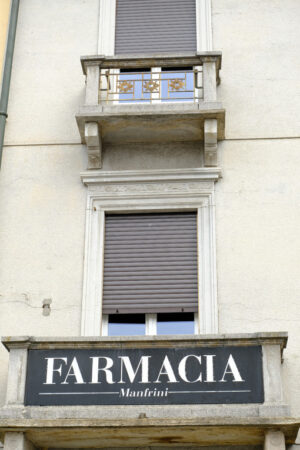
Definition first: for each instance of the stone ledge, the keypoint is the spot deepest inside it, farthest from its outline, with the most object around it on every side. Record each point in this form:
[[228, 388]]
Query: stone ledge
[[141, 176], [143, 432], [148, 60], [206, 412], [159, 123], [239, 339]]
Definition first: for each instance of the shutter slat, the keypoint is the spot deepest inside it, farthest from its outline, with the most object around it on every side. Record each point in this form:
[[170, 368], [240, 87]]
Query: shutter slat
[[147, 279], [150, 263], [166, 259], [148, 26]]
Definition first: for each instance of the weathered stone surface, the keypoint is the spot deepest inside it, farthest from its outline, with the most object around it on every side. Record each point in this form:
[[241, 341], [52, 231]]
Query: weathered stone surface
[[17, 441]]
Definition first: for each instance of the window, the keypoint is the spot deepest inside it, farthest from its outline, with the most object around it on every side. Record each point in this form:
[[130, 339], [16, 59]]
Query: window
[[161, 194], [130, 85], [150, 267], [175, 323], [126, 325], [142, 324], [151, 86], [122, 26], [155, 26]]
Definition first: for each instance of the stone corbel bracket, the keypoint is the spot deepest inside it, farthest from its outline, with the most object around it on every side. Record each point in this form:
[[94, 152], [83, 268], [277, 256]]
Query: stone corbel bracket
[[210, 142], [93, 141]]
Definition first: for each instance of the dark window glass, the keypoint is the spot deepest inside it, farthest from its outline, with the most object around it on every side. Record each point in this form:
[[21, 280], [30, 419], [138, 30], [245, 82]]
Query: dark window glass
[[126, 325], [175, 323]]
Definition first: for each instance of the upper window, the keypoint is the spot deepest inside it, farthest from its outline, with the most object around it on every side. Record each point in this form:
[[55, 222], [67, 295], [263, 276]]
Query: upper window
[[128, 27], [151, 86], [155, 26]]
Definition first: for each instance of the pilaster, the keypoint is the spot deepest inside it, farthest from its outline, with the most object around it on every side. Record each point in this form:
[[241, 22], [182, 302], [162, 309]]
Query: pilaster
[[16, 376], [274, 440], [17, 441]]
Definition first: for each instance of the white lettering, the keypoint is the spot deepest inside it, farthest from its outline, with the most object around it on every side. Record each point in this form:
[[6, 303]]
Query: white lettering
[[144, 362], [145, 393], [233, 370], [51, 369], [74, 371], [168, 371], [105, 369], [210, 369], [182, 369]]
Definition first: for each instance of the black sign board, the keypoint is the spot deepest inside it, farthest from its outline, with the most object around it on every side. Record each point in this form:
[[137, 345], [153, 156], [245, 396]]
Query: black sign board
[[145, 376]]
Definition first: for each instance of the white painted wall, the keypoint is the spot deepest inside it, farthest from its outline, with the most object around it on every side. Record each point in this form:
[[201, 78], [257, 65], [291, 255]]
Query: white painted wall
[[259, 87], [42, 200], [258, 244], [258, 214], [47, 80]]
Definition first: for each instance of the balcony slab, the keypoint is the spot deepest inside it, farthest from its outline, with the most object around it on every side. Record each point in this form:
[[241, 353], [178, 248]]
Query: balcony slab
[[151, 123], [140, 432]]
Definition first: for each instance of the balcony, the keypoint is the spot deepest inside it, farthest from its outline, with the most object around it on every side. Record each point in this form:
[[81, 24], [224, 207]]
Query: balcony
[[63, 403], [151, 99]]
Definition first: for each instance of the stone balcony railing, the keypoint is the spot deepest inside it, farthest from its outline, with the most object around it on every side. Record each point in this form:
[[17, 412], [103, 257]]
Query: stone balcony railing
[[153, 99]]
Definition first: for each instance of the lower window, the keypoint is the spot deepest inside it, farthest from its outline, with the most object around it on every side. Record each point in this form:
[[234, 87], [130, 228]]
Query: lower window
[[118, 276], [150, 283], [142, 324]]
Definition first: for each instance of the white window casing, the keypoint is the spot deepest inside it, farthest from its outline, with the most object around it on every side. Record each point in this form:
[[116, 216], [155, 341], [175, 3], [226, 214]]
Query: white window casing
[[107, 22], [204, 26], [149, 191]]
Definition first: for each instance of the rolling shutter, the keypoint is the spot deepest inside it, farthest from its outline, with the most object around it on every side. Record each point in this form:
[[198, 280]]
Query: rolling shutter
[[150, 263], [155, 26]]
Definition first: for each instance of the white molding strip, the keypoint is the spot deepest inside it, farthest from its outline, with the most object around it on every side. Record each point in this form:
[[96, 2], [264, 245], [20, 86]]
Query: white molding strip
[[93, 177], [204, 25], [107, 23], [140, 191]]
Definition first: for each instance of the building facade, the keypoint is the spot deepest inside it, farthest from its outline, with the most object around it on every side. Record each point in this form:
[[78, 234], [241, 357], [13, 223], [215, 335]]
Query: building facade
[[149, 226]]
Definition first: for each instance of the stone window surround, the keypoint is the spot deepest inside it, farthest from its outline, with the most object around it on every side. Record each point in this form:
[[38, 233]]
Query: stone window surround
[[143, 191], [107, 14]]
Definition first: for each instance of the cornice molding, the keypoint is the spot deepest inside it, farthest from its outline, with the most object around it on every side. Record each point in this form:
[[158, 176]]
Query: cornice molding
[[99, 177]]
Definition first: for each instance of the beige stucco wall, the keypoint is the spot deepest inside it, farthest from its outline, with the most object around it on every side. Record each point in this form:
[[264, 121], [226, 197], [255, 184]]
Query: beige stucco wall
[[257, 201], [258, 244], [47, 80], [259, 40], [41, 240], [42, 200]]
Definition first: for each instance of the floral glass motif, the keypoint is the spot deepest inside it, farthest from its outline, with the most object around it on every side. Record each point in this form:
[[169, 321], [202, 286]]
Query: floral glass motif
[[176, 84], [151, 86], [125, 87]]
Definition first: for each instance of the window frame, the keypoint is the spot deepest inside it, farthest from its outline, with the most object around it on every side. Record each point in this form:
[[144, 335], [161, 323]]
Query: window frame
[[151, 324], [171, 190]]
